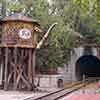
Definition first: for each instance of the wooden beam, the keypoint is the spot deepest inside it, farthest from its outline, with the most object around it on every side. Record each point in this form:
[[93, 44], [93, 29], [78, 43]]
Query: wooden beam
[[15, 67], [30, 65], [6, 69], [1, 67], [33, 67]]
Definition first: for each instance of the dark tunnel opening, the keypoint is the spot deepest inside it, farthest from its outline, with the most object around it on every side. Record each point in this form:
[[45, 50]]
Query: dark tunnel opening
[[87, 65]]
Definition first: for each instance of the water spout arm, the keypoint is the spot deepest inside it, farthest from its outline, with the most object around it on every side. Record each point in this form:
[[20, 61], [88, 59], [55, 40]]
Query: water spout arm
[[45, 35]]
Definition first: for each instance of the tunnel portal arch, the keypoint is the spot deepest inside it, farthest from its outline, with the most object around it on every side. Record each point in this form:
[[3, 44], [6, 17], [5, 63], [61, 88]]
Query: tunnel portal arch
[[88, 65]]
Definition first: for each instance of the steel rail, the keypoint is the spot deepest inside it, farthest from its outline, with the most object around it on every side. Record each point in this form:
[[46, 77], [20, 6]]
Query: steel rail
[[63, 92]]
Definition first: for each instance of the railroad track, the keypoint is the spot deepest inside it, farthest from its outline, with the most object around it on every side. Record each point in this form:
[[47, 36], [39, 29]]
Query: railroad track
[[63, 92]]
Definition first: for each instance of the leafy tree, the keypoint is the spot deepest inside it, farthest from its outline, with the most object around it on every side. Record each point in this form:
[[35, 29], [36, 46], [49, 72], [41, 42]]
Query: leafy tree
[[89, 15], [15, 7], [76, 18]]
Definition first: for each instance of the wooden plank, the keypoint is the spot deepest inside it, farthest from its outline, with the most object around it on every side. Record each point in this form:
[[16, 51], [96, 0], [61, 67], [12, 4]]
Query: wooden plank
[[1, 67], [20, 76], [9, 77], [30, 65], [6, 69], [15, 68], [33, 67], [11, 70], [18, 46]]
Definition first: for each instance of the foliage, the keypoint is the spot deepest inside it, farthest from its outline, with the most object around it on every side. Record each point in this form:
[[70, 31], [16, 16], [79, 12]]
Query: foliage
[[89, 15], [54, 51], [15, 7], [81, 16]]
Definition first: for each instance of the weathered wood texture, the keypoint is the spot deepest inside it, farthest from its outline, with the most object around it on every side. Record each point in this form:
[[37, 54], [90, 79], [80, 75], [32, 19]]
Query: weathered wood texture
[[17, 52], [6, 68], [11, 33], [18, 65]]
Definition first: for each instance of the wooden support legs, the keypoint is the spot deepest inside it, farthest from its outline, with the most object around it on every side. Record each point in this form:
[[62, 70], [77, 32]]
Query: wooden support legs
[[19, 68], [33, 66], [15, 68], [6, 69], [30, 66]]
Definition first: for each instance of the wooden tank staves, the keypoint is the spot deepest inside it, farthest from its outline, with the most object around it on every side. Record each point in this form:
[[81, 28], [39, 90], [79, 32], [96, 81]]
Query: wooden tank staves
[[19, 30]]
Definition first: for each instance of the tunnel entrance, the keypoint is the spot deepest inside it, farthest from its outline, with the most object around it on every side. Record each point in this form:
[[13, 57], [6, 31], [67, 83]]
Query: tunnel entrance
[[87, 65]]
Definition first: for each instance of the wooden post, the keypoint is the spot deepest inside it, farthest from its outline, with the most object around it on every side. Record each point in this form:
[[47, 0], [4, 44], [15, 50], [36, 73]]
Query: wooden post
[[6, 68], [1, 67], [33, 67], [30, 65], [15, 67]]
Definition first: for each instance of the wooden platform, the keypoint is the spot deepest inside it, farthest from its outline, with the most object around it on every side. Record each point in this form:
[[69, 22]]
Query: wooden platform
[[17, 46]]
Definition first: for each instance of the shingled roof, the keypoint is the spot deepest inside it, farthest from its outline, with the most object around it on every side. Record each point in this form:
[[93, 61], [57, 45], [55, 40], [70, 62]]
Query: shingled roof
[[19, 17]]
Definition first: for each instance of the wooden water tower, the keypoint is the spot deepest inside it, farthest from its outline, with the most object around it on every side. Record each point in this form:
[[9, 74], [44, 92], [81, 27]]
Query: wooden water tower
[[19, 30], [17, 51]]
